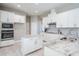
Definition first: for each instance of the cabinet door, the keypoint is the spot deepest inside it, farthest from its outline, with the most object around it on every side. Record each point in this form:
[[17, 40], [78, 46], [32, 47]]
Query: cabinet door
[[76, 17], [58, 20], [70, 18], [38, 43], [16, 18], [10, 17], [22, 19], [73, 18], [4, 16], [66, 19], [61, 20], [27, 45], [7, 16], [19, 19]]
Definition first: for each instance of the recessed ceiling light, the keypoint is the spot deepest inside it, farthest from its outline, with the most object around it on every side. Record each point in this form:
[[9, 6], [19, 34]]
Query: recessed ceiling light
[[18, 5], [36, 11]]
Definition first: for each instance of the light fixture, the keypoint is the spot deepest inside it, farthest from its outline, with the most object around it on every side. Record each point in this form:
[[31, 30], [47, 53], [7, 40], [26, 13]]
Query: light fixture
[[18, 5]]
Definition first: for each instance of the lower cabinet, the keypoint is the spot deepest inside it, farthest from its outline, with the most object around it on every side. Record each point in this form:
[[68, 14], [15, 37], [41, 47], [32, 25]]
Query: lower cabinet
[[29, 45]]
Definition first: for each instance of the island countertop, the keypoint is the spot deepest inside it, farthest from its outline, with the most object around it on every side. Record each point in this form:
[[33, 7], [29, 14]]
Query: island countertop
[[11, 50]]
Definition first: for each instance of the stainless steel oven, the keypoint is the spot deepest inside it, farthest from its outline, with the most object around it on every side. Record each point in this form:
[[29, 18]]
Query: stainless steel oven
[[7, 25], [7, 34]]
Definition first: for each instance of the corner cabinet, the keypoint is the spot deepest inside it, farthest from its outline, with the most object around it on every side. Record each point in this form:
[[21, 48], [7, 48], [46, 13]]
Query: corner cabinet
[[19, 19], [6, 17]]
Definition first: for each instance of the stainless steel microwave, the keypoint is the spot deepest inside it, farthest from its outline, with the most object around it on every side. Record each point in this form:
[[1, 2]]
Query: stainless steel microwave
[[7, 25]]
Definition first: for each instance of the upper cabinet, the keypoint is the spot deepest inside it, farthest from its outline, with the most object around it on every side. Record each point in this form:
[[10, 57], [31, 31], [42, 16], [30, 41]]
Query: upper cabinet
[[9, 17], [6, 16], [19, 19], [63, 20], [68, 18]]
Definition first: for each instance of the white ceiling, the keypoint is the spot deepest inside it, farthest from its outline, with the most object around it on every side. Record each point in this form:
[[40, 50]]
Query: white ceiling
[[33, 8]]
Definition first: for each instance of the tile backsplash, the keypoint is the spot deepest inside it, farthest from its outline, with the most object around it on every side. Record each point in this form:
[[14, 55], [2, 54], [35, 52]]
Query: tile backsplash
[[73, 32]]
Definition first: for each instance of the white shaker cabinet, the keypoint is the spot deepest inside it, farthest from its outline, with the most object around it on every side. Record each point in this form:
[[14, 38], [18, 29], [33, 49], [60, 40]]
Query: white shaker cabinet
[[6, 17], [76, 17], [61, 20], [11, 17], [3, 16], [58, 21], [19, 19], [68, 19]]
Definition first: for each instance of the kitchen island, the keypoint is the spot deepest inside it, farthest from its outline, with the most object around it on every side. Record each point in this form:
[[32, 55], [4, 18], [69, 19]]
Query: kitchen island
[[22, 47]]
